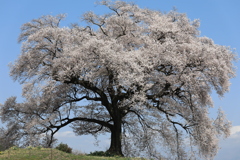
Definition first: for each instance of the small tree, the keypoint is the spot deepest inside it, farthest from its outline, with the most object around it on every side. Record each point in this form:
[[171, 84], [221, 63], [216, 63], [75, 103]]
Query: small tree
[[48, 141], [145, 77], [8, 138], [64, 148]]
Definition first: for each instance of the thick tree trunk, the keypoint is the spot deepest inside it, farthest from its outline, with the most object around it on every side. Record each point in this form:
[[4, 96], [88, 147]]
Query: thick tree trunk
[[116, 141]]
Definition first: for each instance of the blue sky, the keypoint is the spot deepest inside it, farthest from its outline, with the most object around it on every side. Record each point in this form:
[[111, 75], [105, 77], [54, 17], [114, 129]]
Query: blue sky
[[220, 20]]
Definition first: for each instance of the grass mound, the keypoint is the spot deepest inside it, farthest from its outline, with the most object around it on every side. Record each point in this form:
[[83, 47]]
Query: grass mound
[[35, 153], [38, 153]]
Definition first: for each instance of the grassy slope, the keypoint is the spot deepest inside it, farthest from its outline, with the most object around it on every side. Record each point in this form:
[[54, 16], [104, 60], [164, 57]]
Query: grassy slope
[[49, 154]]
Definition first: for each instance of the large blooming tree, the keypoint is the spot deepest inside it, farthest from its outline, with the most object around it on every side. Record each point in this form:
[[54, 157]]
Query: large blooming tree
[[141, 75]]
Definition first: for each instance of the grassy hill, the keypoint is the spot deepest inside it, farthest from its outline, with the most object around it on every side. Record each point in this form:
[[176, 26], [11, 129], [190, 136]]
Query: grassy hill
[[38, 153]]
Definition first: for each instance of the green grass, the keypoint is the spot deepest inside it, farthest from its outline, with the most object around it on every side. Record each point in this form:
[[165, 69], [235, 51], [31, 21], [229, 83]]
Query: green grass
[[39, 153]]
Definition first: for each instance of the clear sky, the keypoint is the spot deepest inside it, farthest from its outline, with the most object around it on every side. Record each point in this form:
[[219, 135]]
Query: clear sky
[[220, 20]]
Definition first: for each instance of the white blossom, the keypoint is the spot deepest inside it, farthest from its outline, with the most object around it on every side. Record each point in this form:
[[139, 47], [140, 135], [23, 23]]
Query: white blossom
[[140, 74]]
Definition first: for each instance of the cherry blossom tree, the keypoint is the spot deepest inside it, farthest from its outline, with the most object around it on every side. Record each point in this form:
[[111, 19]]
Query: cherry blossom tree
[[141, 75]]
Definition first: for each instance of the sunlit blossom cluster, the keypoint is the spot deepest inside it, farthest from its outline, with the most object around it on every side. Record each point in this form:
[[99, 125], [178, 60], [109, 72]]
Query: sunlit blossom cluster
[[153, 70]]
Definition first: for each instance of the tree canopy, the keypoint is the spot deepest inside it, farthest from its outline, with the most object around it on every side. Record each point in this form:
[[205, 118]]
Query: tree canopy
[[141, 75]]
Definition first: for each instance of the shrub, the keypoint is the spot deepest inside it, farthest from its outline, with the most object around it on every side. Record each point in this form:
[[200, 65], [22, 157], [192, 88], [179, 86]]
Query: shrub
[[14, 148], [64, 148], [39, 147], [100, 153], [29, 147]]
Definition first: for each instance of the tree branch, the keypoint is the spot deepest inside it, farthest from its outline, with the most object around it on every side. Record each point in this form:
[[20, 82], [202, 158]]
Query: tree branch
[[103, 123]]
